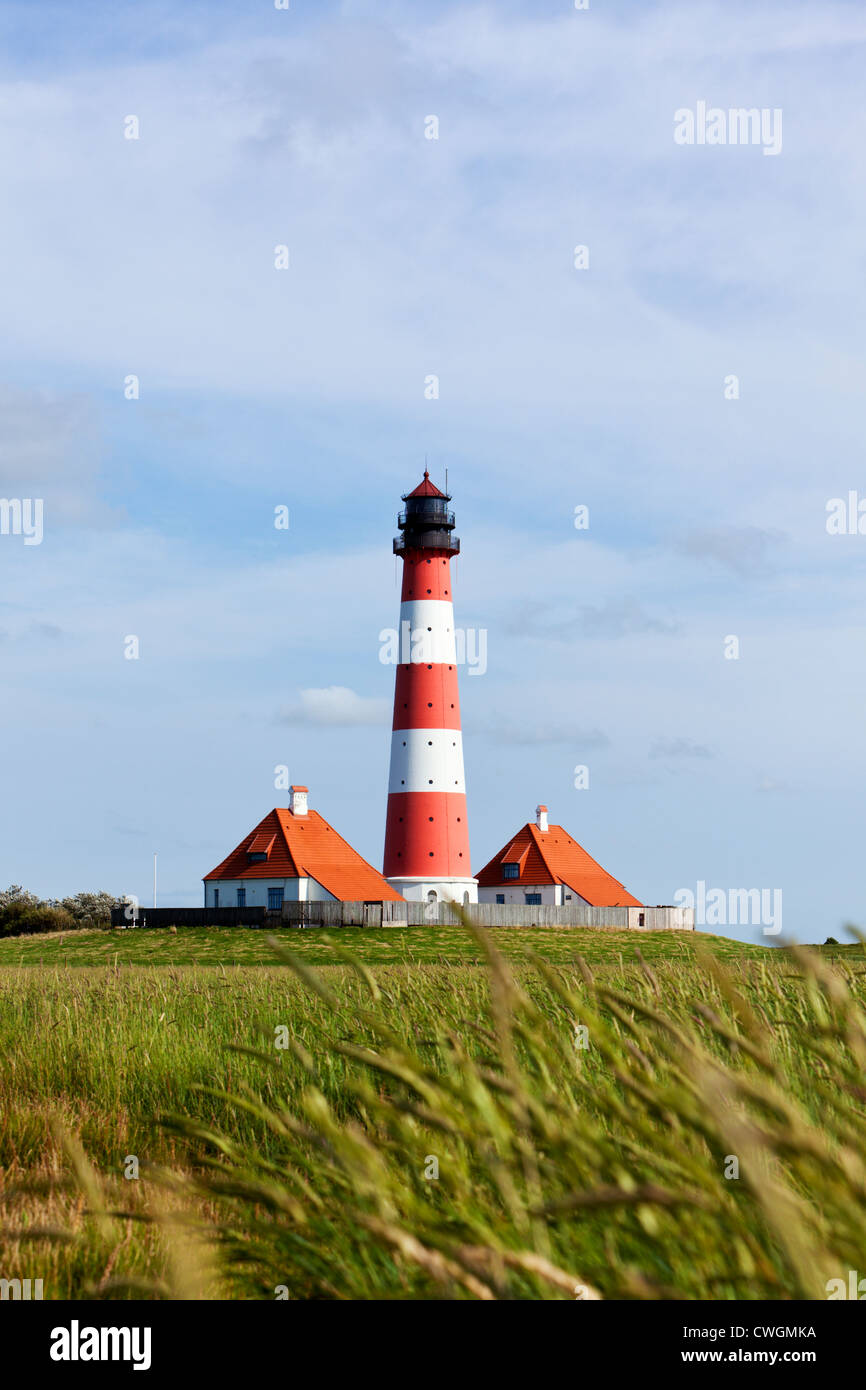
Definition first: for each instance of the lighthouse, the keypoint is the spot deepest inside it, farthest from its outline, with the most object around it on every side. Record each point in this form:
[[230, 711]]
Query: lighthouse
[[426, 832]]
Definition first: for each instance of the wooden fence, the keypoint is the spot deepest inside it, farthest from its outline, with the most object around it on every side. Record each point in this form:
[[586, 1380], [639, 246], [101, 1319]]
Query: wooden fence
[[192, 917], [406, 914], [412, 914]]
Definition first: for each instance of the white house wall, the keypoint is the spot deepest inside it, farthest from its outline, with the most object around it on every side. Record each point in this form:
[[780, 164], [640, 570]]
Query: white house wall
[[294, 890], [316, 893], [552, 894]]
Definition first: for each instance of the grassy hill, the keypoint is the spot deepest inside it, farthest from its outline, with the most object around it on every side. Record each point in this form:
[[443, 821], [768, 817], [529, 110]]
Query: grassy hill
[[382, 946], [581, 1109]]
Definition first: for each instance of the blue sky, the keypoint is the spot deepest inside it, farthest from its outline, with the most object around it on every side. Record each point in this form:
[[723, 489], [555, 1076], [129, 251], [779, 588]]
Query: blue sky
[[558, 387]]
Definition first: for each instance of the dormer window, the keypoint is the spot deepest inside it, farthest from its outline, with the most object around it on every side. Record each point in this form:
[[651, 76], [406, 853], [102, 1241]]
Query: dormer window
[[511, 871], [259, 848]]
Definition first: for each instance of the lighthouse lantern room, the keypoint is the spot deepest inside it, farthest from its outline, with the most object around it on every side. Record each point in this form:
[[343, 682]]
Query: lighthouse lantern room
[[426, 834]]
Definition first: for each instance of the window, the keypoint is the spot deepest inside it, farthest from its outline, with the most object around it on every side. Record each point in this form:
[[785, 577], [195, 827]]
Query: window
[[257, 858], [500, 897], [275, 899], [216, 897], [532, 899], [242, 897], [641, 920], [511, 871]]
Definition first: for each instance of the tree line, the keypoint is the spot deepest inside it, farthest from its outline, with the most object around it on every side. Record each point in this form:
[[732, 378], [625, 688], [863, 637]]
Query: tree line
[[23, 913]]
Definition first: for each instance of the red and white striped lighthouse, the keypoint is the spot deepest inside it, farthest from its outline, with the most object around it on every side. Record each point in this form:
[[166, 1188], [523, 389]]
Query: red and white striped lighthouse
[[426, 834]]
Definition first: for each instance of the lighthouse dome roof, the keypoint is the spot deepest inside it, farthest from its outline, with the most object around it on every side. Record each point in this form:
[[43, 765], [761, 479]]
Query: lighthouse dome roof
[[425, 489]]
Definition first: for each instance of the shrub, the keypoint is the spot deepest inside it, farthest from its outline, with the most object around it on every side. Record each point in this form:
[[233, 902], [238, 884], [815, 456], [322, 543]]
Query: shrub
[[16, 894], [23, 913], [91, 909], [23, 917]]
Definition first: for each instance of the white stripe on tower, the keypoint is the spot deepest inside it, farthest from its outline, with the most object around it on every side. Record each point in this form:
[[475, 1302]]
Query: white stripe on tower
[[427, 632], [427, 760]]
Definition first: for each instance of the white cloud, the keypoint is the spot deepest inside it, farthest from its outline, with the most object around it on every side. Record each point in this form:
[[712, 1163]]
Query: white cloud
[[410, 256], [335, 705]]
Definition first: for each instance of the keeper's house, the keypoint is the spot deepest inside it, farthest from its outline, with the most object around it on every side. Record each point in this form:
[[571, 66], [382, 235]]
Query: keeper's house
[[544, 865], [294, 855]]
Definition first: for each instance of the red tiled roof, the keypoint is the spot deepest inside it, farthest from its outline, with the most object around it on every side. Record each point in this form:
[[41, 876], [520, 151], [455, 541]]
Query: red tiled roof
[[553, 856], [425, 489], [307, 847], [261, 844]]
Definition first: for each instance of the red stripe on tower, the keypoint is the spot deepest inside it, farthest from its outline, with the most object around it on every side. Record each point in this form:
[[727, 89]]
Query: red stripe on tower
[[426, 834]]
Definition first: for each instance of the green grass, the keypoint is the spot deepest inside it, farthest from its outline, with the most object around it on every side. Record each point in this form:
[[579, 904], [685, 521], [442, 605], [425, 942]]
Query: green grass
[[305, 1167], [383, 946]]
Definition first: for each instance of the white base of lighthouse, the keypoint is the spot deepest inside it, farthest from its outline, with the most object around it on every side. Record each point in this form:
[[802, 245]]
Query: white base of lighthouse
[[447, 890]]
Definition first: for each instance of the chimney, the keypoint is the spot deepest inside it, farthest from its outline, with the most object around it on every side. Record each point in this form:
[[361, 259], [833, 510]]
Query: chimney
[[298, 803], [541, 818]]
